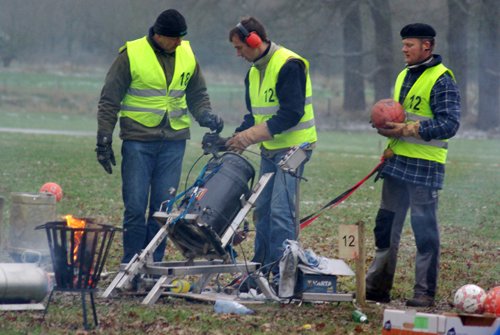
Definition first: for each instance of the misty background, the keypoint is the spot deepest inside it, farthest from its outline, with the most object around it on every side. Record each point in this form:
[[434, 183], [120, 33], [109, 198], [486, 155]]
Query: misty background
[[353, 46]]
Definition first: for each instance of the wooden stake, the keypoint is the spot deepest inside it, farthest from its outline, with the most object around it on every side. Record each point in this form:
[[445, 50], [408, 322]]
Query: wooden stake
[[360, 266]]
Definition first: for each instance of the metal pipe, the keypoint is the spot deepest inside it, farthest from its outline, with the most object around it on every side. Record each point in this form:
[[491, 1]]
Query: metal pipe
[[23, 283]]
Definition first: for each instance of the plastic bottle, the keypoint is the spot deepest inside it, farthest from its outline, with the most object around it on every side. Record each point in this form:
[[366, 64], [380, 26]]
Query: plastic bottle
[[359, 316], [231, 307]]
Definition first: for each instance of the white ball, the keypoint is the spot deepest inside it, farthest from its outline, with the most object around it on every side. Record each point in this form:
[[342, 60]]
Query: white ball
[[470, 299]]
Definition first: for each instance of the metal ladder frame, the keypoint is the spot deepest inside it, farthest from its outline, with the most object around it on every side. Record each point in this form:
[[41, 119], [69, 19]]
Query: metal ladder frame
[[143, 263]]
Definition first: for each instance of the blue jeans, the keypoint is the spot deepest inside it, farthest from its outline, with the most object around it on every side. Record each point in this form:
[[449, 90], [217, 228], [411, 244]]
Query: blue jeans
[[149, 170], [275, 213]]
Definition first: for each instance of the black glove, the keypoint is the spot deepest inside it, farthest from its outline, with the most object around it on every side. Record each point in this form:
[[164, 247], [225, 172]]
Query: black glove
[[105, 155], [213, 143], [212, 121]]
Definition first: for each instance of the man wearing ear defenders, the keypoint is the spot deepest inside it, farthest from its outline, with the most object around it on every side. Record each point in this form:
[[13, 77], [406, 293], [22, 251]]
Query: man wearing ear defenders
[[280, 116], [151, 86]]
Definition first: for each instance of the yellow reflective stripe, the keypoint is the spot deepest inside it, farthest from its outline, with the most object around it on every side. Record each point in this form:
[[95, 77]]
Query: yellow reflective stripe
[[126, 108], [178, 112], [302, 125], [265, 110], [146, 92], [415, 117], [432, 143], [273, 109], [176, 93]]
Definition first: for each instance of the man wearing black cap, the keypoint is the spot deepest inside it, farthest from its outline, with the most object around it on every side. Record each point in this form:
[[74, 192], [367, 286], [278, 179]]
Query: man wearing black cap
[[415, 172], [150, 87]]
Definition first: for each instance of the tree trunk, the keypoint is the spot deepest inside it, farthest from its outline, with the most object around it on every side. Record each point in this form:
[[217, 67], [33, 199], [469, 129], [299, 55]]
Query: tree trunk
[[489, 68], [458, 23], [354, 88], [384, 51]]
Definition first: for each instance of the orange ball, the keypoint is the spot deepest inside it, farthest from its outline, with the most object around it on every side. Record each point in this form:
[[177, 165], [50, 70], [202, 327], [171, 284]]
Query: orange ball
[[52, 188], [492, 301], [387, 110]]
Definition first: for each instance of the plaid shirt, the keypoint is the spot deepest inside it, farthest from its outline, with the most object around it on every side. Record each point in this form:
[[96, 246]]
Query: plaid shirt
[[445, 105]]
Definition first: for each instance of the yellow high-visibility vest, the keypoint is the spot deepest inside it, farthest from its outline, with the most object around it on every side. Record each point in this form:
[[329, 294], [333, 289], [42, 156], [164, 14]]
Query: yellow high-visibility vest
[[265, 103], [148, 97], [417, 106]]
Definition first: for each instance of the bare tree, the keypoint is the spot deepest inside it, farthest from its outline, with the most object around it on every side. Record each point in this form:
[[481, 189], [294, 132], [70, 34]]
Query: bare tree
[[347, 42], [384, 50], [17, 36], [354, 87], [489, 68], [458, 24]]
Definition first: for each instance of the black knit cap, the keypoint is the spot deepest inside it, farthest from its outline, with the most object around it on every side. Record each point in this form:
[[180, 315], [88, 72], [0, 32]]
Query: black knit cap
[[170, 23], [418, 30]]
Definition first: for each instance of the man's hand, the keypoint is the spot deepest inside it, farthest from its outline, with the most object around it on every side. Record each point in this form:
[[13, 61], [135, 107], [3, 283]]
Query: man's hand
[[213, 143], [397, 130], [212, 121], [256, 134], [105, 155], [239, 236]]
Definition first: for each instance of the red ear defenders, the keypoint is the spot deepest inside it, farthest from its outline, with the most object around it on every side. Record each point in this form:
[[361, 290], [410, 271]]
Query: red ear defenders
[[252, 39]]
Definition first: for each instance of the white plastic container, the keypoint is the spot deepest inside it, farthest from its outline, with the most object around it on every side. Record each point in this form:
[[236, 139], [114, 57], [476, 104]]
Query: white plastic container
[[231, 307]]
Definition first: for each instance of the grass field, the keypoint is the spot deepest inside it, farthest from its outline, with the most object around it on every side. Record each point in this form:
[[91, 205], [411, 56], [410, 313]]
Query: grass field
[[469, 217]]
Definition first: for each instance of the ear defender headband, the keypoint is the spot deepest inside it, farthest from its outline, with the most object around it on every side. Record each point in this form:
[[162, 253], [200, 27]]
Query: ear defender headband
[[252, 39]]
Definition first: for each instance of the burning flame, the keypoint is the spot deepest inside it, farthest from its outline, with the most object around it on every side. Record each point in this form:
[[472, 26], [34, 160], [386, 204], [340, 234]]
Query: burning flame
[[73, 222]]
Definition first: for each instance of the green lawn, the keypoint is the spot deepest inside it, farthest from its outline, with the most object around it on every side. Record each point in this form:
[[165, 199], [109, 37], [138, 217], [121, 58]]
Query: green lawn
[[469, 212], [469, 219]]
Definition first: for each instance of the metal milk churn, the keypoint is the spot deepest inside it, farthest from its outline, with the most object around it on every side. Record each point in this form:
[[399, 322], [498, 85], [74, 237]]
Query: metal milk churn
[[23, 283], [28, 210]]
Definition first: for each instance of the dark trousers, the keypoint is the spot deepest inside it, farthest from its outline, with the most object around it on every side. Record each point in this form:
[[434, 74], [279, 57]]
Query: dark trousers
[[397, 197]]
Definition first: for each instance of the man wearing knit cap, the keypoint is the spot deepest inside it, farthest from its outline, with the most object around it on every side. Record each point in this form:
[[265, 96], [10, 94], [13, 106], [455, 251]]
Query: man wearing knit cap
[[150, 87], [415, 172]]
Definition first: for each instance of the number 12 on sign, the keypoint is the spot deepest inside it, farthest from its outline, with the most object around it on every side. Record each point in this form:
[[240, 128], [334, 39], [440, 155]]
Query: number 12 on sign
[[348, 241]]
